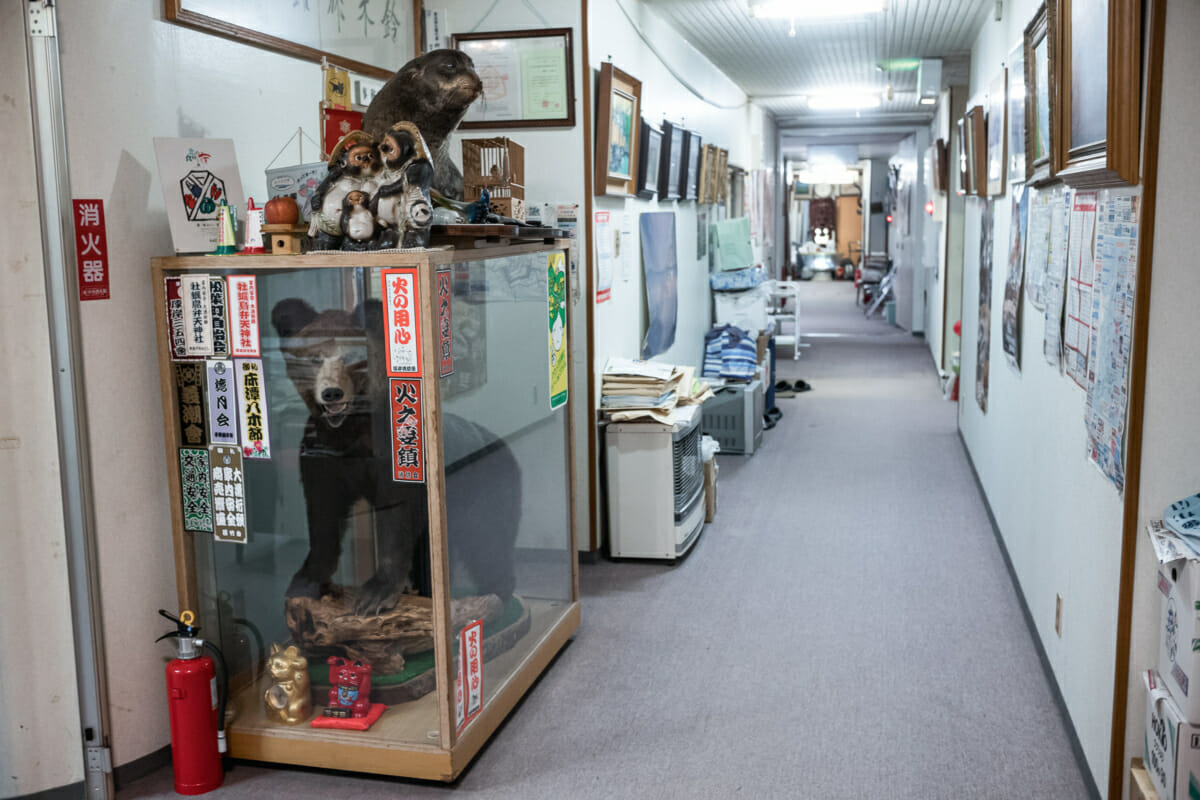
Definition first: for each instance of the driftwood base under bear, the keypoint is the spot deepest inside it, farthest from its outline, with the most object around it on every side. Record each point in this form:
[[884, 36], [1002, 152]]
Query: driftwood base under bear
[[329, 626]]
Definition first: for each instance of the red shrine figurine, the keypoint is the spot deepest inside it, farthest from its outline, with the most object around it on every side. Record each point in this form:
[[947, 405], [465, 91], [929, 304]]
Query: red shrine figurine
[[350, 705]]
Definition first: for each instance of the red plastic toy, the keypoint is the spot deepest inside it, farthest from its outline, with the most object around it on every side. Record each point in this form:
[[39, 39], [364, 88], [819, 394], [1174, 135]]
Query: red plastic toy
[[350, 688]]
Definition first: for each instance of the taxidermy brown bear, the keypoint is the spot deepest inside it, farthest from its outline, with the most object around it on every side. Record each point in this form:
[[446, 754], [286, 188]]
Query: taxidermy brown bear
[[434, 91], [335, 360]]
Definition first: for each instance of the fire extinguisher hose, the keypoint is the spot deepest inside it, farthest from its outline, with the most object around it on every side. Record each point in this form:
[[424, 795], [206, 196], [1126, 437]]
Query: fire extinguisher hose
[[222, 689]]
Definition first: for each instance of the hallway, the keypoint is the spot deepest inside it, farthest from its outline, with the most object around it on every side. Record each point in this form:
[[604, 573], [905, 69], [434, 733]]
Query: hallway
[[846, 628]]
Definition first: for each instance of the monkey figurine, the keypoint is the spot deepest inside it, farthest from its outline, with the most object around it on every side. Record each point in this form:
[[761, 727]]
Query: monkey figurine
[[353, 165], [401, 204], [357, 223], [433, 91]]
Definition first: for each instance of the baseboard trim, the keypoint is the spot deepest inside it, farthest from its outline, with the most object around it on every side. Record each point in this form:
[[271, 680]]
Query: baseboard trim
[[1076, 748], [141, 767], [72, 791]]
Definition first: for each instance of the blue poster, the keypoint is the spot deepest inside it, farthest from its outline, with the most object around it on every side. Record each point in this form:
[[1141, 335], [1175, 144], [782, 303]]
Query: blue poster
[[660, 265]]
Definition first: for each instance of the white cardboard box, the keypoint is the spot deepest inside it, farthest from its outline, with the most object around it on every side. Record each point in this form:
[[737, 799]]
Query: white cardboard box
[[1179, 619], [1172, 744]]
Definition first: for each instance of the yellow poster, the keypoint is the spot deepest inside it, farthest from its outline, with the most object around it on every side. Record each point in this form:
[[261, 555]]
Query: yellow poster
[[556, 296], [337, 88]]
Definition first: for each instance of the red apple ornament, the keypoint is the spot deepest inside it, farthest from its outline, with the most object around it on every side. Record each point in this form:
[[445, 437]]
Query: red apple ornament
[[282, 211]]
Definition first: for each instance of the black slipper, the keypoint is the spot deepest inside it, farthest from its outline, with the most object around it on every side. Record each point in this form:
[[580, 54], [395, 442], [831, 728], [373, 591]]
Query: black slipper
[[768, 423], [801, 386], [774, 413], [783, 386]]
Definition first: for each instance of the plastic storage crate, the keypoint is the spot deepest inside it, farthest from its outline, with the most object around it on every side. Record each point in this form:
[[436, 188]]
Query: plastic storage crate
[[734, 417]]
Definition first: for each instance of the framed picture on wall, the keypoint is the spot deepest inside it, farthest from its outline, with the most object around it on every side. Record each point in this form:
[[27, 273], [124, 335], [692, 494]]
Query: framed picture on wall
[[1097, 106], [649, 156], [963, 183], [722, 174], [671, 161], [689, 186], [977, 151], [619, 99], [528, 78], [1016, 114], [1039, 89], [941, 167], [997, 150]]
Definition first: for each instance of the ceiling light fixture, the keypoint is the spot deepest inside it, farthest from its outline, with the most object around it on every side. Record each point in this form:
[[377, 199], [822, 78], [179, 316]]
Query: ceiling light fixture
[[809, 9], [928, 101], [840, 101]]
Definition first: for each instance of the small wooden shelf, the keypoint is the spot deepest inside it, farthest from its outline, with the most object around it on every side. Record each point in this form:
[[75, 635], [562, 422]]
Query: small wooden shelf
[[1140, 785]]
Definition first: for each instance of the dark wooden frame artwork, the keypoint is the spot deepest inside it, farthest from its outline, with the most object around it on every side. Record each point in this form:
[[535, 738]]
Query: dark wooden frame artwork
[[1041, 27], [941, 167], [976, 132], [1112, 161], [672, 152], [614, 80], [997, 107], [689, 182], [964, 178], [567, 121], [647, 184]]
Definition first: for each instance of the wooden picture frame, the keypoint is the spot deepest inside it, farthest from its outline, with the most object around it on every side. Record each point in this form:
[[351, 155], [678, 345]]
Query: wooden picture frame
[[997, 138], [619, 105], [1040, 86], [976, 134], [543, 98], [1016, 114], [963, 186], [689, 170], [708, 166], [649, 158], [941, 166], [234, 24], [721, 175], [670, 166], [1099, 99]]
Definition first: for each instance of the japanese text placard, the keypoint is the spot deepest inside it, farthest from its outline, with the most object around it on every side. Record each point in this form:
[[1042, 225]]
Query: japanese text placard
[[188, 378], [175, 323], [222, 403], [220, 325], [252, 408], [408, 437], [243, 316], [402, 322], [196, 491], [228, 494], [445, 329], [556, 300], [91, 249], [197, 315], [470, 663]]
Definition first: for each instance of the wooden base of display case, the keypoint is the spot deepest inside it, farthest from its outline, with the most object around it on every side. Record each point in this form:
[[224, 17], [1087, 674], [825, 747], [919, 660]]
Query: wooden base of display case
[[1140, 785], [405, 740]]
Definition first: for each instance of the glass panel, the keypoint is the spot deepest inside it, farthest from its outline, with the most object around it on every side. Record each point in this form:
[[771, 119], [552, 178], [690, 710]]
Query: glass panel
[[331, 536], [506, 462], [1089, 72], [1041, 66]]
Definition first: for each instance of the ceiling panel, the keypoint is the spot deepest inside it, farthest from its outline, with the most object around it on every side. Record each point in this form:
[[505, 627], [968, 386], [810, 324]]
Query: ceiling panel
[[828, 54]]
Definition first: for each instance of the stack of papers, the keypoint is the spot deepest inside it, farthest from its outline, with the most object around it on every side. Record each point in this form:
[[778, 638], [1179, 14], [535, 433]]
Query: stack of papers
[[631, 389], [1183, 516]]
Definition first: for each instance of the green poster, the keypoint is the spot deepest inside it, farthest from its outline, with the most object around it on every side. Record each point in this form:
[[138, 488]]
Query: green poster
[[556, 300]]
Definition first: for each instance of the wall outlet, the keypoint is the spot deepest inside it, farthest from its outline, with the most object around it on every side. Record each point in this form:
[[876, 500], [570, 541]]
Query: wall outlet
[[1058, 615]]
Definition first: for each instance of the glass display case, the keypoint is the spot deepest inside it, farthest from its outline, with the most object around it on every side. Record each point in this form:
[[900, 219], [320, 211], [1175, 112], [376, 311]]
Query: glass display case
[[370, 462]]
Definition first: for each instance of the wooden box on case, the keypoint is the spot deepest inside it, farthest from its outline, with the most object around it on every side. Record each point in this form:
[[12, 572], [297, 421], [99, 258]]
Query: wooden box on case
[[238, 593]]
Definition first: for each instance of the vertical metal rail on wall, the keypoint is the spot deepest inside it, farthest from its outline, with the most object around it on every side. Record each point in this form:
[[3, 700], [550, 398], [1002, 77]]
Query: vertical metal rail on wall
[[62, 304]]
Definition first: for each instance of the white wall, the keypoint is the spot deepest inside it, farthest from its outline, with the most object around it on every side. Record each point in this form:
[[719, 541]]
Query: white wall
[[1170, 470], [747, 132], [41, 745], [906, 245], [1059, 517]]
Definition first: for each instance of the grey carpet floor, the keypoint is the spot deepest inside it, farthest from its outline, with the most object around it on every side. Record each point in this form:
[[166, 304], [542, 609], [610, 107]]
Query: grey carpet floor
[[845, 628]]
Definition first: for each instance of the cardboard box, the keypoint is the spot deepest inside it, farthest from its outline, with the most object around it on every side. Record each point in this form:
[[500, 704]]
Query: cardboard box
[[1172, 744], [764, 339], [1179, 620], [710, 489]]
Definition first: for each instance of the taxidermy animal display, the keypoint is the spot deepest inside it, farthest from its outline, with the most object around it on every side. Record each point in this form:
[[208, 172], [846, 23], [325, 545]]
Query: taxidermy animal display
[[288, 698], [433, 91], [353, 166], [401, 204], [335, 360]]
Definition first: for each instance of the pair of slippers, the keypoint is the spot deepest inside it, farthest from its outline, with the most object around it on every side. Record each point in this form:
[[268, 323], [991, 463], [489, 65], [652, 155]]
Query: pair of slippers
[[772, 416], [791, 388]]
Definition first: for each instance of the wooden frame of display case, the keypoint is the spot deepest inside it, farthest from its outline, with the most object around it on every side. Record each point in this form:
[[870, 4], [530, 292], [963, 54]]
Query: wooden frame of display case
[[249, 737]]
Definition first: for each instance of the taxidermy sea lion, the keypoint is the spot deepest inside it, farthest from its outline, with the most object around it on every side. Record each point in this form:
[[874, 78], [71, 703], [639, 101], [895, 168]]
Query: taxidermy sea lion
[[433, 91]]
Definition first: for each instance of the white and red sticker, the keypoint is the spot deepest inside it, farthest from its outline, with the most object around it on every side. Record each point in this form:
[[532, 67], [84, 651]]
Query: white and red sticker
[[470, 672], [91, 249], [408, 434], [252, 408], [402, 322], [175, 319], [243, 316], [197, 315], [445, 329]]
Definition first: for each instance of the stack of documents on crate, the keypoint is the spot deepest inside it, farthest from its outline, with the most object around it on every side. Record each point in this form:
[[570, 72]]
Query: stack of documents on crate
[[649, 390]]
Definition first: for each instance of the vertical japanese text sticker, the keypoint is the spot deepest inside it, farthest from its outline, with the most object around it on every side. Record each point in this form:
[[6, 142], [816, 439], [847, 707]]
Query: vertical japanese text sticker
[[402, 322], [91, 249], [222, 406], [196, 489], [252, 408], [556, 297], [197, 315], [470, 662], [243, 316], [445, 331], [175, 318], [220, 327], [408, 438], [228, 494], [188, 378]]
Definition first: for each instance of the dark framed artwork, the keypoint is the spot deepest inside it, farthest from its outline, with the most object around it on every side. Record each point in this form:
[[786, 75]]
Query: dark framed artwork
[[963, 185], [997, 150], [1039, 94], [649, 157], [671, 162], [528, 78], [1016, 114], [1099, 78], [977, 148], [619, 100], [689, 177], [941, 167]]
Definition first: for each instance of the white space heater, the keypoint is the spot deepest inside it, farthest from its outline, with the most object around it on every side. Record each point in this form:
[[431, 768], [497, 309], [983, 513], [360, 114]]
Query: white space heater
[[655, 486]]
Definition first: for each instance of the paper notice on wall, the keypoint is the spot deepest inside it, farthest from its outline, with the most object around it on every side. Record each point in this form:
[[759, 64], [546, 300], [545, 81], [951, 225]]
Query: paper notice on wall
[[221, 401], [196, 490], [1112, 331], [228, 494], [984, 340], [1010, 316], [602, 230], [402, 322], [1037, 246], [252, 408], [1055, 283], [1081, 270], [629, 250]]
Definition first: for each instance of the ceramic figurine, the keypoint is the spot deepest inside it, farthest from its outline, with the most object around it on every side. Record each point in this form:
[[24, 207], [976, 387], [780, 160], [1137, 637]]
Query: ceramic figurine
[[254, 223], [433, 91], [358, 223], [288, 699], [353, 165], [401, 204], [350, 688]]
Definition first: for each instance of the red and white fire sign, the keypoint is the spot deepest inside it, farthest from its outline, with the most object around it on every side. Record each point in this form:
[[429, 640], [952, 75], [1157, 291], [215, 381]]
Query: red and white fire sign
[[402, 320], [408, 431], [91, 249]]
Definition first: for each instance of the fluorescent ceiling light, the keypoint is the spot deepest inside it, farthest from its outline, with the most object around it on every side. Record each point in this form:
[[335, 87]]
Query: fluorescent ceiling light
[[834, 177], [898, 65], [809, 9], [928, 101], [843, 101]]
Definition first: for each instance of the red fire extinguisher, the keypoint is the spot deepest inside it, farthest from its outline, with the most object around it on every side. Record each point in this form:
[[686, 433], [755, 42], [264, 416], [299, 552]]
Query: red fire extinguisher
[[197, 706]]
